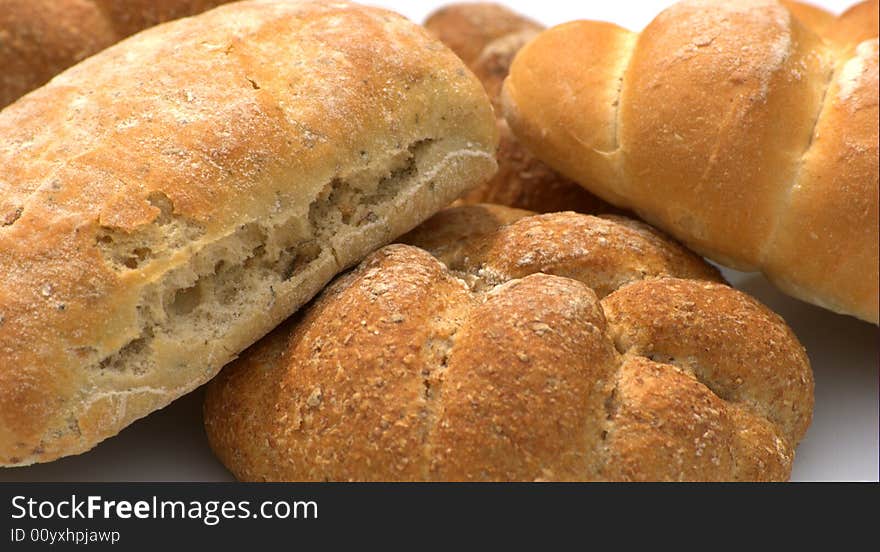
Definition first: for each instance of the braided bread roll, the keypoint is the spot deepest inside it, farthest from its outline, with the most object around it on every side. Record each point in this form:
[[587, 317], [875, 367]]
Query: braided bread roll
[[728, 124], [518, 347], [487, 36], [41, 38]]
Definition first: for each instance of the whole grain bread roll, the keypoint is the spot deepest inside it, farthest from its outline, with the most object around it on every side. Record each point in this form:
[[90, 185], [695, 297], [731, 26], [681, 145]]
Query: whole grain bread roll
[[729, 125], [41, 38], [487, 36], [173, 198], [507, 346]]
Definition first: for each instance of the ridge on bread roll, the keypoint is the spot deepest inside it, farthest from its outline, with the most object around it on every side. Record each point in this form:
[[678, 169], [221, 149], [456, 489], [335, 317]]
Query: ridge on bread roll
[[170, 200], [728, 124], [41, 38], [499, 345]]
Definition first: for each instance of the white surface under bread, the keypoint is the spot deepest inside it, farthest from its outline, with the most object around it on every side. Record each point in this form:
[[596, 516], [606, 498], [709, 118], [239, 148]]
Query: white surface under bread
[[842, 443]]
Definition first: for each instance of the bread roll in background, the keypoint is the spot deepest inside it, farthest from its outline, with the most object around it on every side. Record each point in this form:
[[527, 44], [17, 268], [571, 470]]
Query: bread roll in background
[[173, 198], [817, 19], [487, 36], [41, 38], [855, 25], [731, 126], [468, 27], [506, 346]]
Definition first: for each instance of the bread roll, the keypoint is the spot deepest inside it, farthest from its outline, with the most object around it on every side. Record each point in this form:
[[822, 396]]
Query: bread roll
[[41, 38], [469, 27], [487, 36], [729, 125], [553, 347], [170, 200]]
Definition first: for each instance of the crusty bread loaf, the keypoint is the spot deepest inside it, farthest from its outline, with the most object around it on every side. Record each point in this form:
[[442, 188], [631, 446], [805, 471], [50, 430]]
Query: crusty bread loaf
[[41, 38], [173, 198], [487, 36], [548, 347], [729, 125]]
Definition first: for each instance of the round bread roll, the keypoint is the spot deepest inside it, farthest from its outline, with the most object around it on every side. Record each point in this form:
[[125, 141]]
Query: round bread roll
[[487, 37], [730, 125], [506, 346]]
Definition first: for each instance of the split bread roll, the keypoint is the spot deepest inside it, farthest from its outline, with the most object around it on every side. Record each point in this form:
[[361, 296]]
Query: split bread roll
[[503, 346], [41, 38], [487, 36], [729, 125], [172, 199]]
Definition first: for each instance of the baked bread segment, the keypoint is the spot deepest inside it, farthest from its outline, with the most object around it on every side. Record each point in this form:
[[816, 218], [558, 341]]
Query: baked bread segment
[[693, 332], [817, 19], [722, 123], [831, 217], [497, 359], [720, 162], [172, 199]]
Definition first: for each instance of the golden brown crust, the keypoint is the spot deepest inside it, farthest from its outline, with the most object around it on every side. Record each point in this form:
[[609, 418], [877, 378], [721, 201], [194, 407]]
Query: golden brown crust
[[683, 124], [831, 216], [813, 17], [493, 358], [857, 24], [697, 327], [588, 117], [171, 199], [41, 38], [488, 36], [687, 338]]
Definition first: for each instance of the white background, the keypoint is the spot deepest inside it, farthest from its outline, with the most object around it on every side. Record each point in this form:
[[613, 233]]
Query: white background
[[842, 443]]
